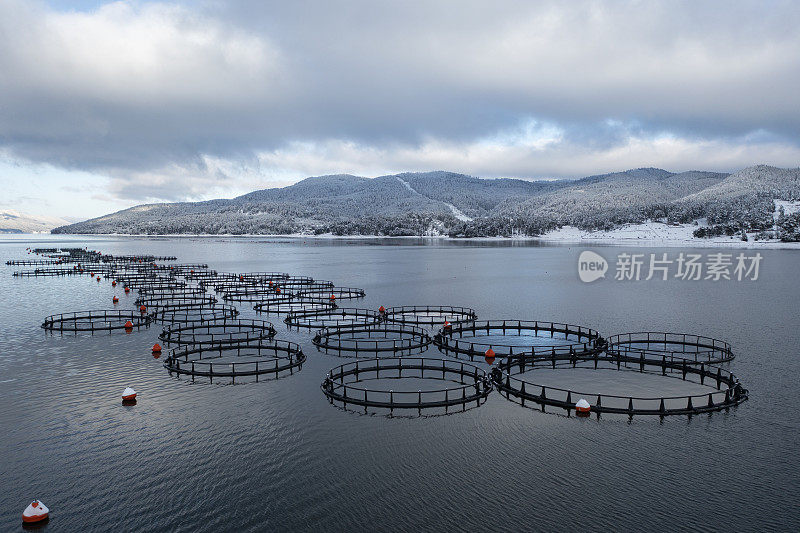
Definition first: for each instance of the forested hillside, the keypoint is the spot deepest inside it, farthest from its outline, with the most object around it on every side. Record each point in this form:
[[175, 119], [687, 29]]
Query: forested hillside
[[445, 203]]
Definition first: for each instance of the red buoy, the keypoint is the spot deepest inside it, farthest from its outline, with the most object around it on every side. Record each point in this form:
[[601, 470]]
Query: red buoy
[[582, 408], [381, 309], [127, 290], [115, 299], [142, 309], [35, 512], [278, 290], [98, 278], [447, 325], [156, 348], [128, 394], [113, 283], [489, 355], [333, 297], [128, 325]]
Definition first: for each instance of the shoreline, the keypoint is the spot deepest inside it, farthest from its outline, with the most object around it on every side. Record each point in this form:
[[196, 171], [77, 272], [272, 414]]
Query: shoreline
[[597, 239]]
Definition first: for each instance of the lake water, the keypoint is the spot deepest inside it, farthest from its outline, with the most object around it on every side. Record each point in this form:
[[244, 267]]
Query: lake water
[[276, 455]]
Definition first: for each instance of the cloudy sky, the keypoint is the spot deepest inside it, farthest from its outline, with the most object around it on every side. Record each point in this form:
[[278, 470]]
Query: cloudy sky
[[104, 105]]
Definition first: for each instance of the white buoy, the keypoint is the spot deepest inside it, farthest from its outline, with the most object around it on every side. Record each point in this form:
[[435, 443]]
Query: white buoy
[[128, 394], [35, 512], [582, 407]]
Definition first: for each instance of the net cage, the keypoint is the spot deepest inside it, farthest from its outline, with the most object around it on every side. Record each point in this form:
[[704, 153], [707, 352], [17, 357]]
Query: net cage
[[296, 284], [429, 315], [372, 340], [272, 358], [176, 302], [673, 346], [187, 315], [96, 321], [390, 384], [506, 338], [217, 333], [331, 293], [291, 304], [515, 378], [198, 275], [253, 293], [337, 316], [167, 293]]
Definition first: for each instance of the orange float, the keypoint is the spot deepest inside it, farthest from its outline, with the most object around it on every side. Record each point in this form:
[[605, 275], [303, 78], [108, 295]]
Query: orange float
[[35, 512], [128, 394], [582, 408], [490, 356]]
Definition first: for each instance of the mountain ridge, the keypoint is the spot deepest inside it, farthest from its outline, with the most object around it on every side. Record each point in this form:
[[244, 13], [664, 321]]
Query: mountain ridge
[[448, 203]]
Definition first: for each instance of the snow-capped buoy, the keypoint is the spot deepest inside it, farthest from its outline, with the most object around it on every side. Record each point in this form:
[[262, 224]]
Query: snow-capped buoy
[[115, 300], [127, 290], [36, 511], [582, 408], [156, 348], [128, 394], [113, 283], [143, 309], [489, 355]]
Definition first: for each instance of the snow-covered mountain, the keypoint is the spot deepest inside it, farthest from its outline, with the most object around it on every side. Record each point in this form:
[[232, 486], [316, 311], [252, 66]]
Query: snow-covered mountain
[[460, 205], [15, 222]]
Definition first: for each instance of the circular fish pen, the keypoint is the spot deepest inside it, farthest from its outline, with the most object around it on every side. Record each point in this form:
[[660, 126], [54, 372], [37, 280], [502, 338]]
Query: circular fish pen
[[218, 333], [366, 384], [96, 321], [507, 338], [331, 294], [332, 317], [176, 302], [672, 346], [296, 284], [253, 294], [429, 315], [198, 275], [722, 388], [252, 360], [290, 304], [372, 340], [187, 315], [170, 293], [47, 272]]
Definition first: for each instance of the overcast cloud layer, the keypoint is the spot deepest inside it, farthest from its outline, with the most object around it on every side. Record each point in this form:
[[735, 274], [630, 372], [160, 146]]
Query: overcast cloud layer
[[163, 101]]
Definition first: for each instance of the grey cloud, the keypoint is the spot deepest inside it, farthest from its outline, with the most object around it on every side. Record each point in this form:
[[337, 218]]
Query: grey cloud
[[113, 92]]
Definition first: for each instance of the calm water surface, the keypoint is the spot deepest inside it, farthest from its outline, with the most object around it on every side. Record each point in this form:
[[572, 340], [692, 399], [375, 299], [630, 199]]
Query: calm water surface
[[276, 456]]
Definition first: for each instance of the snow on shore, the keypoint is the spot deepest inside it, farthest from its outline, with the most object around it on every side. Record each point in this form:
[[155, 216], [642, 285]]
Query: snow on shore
[[657, 234]]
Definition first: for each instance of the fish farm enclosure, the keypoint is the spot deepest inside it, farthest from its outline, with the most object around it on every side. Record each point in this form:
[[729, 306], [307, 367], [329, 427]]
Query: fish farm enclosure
[[208, 339], [356, 386]]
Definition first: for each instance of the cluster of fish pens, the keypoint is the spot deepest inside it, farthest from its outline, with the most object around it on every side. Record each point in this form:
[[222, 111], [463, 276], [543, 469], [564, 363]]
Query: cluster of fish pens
[[206, 339]]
